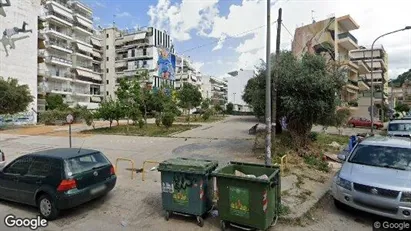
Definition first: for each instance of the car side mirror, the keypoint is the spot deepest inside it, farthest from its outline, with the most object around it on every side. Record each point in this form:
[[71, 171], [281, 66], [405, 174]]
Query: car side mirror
[[341, 157]]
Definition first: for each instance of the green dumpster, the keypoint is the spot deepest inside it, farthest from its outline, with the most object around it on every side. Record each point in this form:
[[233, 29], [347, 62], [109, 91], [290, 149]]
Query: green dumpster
[[248, 195], [187, 187]]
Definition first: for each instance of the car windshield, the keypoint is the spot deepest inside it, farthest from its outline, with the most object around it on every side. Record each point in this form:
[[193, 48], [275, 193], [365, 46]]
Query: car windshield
[[85, 163], [400, 127], [382, 156]]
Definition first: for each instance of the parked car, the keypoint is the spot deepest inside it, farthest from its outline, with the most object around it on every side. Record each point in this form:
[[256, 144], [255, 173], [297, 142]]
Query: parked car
[[363, 122], [399, 128], [57, 179], [2, 159], [375, 177]]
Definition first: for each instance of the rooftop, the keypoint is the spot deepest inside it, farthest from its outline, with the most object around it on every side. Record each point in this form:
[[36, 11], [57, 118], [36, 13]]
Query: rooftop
[[63, 153]]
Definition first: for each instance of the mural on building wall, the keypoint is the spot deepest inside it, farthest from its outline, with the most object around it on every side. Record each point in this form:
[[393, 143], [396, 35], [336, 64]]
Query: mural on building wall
[[166, 64], [2, 5], [316, 38], [27, 117], [8, 40]]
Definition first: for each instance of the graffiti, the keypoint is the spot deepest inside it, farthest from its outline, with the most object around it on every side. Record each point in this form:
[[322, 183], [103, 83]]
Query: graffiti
[[4, 4], [9, 33], [18, 119], [166, 64], [182, 182]]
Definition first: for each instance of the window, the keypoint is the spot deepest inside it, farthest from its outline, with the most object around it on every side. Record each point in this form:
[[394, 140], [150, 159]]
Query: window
[[107, 70], [106, 92], [19, 166], [43, 167], [107, 36], [85, 163], [107, 81], [107, 58], [106, 47], [144, 51], [133, 53]]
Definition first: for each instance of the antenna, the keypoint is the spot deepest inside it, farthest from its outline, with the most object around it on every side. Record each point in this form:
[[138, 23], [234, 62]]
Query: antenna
[[81, 146], [312, 15]]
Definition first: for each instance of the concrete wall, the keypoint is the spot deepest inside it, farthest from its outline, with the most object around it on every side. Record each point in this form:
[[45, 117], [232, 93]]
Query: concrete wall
[[20, 62], [236, 86]]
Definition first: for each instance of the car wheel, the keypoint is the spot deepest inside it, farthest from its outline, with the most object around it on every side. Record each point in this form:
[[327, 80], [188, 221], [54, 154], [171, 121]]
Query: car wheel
[[47, 207]]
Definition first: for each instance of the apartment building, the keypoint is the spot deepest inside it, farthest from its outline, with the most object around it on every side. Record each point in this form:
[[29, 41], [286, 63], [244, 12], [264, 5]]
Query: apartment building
[[332, 38], [187, 73], [71, 68], [236, 83], [18, 51], [125, 52], [215, 89]]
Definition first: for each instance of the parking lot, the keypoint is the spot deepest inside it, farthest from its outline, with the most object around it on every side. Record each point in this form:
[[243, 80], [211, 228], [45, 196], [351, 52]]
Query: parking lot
[[136, 205]]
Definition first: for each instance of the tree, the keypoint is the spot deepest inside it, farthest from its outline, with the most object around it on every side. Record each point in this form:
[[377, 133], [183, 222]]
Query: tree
[[168, 119], [306, 92], [401, 79], [189, 97], [205, 104], [218, 108], [54, 101], [230, 108], [107, 110], [14, 98], [401, 107]]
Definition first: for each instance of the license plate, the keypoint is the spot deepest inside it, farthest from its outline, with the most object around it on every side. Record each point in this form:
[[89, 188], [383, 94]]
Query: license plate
[[97, 189]]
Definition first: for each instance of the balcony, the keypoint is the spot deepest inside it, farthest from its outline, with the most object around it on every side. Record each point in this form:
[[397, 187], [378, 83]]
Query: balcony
[[64, 47], [59, 34], [362, 67], [81, 28], [41, 54], [347, 23], [377, 75], [363, 86], [61, 76], [59, 61], [120, 64], [347, 41], [40, 35], [377, 64], [85, 42], [82, 7], [58, 18], [83, 54], [42, 72]]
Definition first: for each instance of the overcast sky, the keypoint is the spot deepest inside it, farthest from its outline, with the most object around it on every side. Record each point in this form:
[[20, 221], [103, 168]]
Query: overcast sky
[[223, 35]]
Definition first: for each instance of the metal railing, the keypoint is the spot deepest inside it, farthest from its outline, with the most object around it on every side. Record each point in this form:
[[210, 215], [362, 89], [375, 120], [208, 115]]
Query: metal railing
[[76, 24], [55, 30], [347, 35], [58, 59], [62, 45], [52, 13]]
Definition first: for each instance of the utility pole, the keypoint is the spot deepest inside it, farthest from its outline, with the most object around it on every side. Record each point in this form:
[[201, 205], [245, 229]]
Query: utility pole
[[268, 89], [276, 73]]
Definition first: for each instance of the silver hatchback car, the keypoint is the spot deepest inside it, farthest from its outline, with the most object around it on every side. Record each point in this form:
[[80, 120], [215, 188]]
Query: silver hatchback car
[[376, 177]]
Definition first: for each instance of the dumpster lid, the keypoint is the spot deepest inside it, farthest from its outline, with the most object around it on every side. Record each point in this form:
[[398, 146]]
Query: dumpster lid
[[187, 165]]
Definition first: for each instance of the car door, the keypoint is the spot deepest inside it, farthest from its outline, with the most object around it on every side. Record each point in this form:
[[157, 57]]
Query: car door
[[10, 177], [37, 176]]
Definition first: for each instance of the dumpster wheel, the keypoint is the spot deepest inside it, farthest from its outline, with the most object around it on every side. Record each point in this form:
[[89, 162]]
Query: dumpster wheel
[[167, 215], [222, 225], [200, 221]]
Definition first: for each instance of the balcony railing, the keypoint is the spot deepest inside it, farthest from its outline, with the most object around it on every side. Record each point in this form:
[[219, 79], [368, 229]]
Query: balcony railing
[[59, 59], [61, 32], [63, 3], [79, 12], [347, 35], [49, 13], [62, 45], [85, 65]]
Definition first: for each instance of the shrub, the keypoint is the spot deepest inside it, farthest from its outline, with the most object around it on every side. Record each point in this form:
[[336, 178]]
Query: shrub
[[353, 103], [158, 119], [140, 123], [168, 119], [207, 114], [313, 136]]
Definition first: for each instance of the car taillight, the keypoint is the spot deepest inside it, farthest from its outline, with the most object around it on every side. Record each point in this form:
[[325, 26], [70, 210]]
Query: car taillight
[[67, 185], [112, 171]]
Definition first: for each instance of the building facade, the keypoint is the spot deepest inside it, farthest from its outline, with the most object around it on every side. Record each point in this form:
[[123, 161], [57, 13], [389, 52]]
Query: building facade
[[187, 73], [332, 38], [236, 84], [125, 52], [215, 89], [70, 68], [18, 51]]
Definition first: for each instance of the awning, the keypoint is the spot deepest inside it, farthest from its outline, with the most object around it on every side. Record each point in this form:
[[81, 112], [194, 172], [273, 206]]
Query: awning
[[140, 36], [88, 75], [84, 48], [95, 42], [96, 54], [61, 11], [119, 42], [84, 22]]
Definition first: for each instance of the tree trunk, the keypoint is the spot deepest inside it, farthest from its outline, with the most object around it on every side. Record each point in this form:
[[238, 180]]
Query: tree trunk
[[111, 122], [145, 114]]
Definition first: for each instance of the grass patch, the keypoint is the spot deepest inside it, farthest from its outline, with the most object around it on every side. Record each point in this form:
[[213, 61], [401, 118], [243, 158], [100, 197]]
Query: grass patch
[[199, 119], [317, 162], [151, 130], [284, 210]]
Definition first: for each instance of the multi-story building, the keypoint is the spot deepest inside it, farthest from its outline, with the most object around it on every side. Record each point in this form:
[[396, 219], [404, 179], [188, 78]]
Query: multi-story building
[[18, 51], [186, 73], [215, 89], [236, 84], [127, 51], [70, 68], [331, 37]]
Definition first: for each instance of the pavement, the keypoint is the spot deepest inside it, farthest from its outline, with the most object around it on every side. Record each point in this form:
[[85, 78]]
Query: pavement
[[135, 204]]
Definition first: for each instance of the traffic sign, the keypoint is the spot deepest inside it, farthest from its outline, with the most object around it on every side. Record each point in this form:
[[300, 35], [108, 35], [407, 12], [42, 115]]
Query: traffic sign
[[69, 118]]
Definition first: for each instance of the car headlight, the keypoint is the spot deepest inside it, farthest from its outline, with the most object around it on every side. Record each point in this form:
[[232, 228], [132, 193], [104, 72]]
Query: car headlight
[[405, 197], [343, 183]]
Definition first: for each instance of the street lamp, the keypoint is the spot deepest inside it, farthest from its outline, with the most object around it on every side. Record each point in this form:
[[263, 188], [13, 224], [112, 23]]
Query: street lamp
[[372, 75]]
